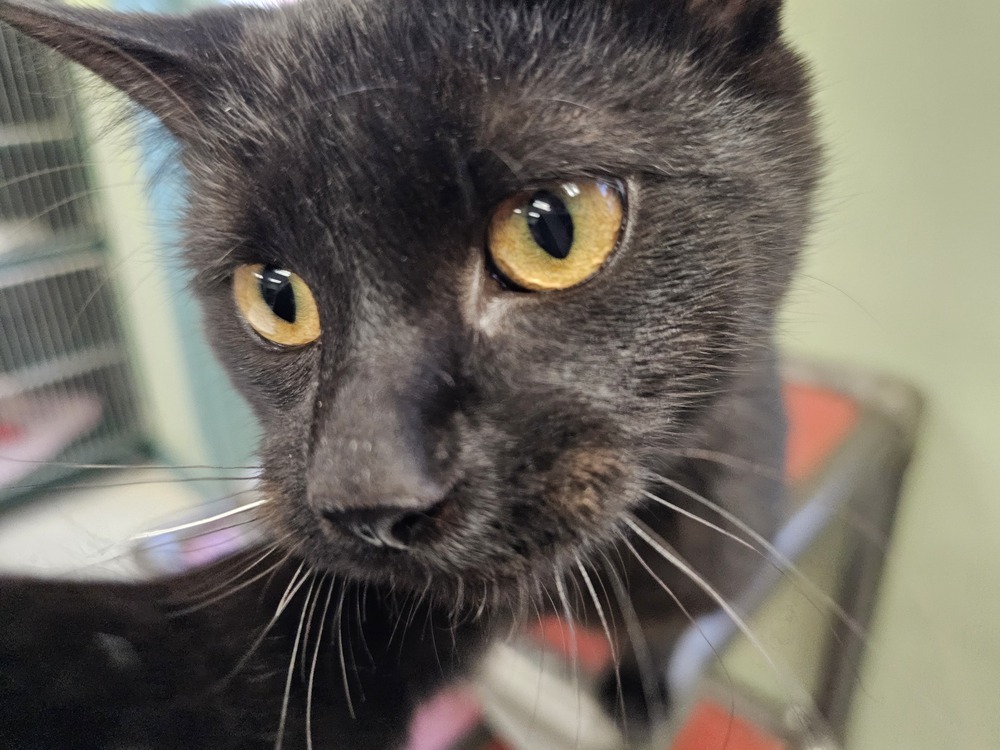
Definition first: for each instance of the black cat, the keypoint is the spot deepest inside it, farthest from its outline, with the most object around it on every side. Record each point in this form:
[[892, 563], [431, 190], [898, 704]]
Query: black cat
[[495, 275]]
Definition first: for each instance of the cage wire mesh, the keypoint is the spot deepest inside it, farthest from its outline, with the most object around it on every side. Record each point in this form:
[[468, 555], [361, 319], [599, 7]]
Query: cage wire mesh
[[67, 394]]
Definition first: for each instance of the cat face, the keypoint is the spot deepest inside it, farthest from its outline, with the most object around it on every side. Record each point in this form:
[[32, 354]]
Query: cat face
[[439, 403]]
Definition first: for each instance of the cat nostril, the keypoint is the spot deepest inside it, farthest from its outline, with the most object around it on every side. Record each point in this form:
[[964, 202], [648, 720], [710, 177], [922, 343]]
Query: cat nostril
[[371, 529], [389, 527], [410, 527], [372, 533], [407, 528]]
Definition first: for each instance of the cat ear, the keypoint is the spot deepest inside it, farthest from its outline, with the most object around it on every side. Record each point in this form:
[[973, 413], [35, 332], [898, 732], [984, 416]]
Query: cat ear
[[746, 26], [163, 63]]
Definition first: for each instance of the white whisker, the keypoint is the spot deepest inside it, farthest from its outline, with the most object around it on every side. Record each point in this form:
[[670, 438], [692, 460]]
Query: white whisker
[[673, 557], [286, 698], [340, 650], [315, 659], [680, 605], [698, 519], [234, 589], [200, 522], [728, 460], [291, 589], [770, 553], [607, 634], [574, 647], [640, 645], [305, 636]]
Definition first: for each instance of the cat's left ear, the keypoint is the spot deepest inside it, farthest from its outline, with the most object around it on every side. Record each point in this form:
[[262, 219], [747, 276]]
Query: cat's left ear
[[165, 63]]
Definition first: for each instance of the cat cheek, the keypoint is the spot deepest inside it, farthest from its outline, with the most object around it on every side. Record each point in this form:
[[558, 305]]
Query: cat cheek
[[587, 481]]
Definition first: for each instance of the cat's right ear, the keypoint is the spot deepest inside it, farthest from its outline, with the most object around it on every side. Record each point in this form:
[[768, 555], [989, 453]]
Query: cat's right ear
[[164, 63], [746, 26]]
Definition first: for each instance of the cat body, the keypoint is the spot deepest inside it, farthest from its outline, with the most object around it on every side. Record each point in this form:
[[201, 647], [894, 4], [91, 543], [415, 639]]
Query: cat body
[[123, 666], [450, 452]]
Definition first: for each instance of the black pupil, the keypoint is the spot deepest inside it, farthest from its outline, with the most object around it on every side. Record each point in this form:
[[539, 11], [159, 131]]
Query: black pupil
[[276, 289], [551, 224]]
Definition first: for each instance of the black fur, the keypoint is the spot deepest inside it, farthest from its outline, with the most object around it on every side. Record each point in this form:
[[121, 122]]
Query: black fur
[[363, 145]]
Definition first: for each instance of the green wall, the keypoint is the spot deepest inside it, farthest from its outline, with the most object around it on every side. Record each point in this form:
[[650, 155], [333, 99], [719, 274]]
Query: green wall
[[903, 276]]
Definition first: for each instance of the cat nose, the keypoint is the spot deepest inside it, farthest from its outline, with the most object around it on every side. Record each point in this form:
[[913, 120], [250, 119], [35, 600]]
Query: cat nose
[[382, 462], [387, 500], [387, 503], [393, 527]]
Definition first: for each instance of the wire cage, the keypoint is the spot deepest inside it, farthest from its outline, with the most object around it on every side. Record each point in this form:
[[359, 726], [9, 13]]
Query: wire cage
[[67, 393]]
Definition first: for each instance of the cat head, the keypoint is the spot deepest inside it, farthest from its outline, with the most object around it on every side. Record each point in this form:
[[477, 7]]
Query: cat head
[[473, 264]]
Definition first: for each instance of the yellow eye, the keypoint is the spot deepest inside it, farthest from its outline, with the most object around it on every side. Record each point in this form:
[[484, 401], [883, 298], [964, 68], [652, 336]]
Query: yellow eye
[[277, 304], [557, 237]]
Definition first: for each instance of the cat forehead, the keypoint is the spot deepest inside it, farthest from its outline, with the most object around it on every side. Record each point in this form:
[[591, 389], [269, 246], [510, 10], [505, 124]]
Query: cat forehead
[[352, 80], [357, 116]]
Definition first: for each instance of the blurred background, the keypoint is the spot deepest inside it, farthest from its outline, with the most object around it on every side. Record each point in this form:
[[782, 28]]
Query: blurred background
[[900, 277]]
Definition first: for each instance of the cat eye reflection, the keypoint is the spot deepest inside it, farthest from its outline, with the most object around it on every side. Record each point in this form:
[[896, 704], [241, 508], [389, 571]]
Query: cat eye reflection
[[277, 304], [556, 237]]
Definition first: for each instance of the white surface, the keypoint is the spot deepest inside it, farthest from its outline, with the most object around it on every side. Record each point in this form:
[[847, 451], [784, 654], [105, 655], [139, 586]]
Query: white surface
[[85, 531]]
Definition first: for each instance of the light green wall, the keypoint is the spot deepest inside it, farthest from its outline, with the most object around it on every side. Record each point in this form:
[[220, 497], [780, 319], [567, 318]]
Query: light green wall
[[903, 275]]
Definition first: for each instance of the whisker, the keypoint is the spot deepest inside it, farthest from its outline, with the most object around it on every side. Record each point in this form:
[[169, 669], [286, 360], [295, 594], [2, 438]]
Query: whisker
[[291, 666], [770, 552], [429, 624], [644, 657], [116, 551], [574, 647], [459, 604], [698, 519], [340, 650], [26, 221], [605, 626], [305, 636], [673, 557], [201, 522], [482, 602], [691, 618], [315, 660], [134, 483], [728, 460], [130, 467], [360, 602], [399, 617], [220, 500], [206, 536], [207, 597], [542, 652], [6, 184], [291, 589]]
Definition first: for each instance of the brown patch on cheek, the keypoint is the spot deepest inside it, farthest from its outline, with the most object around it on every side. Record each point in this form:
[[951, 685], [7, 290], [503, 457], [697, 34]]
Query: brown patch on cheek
[[583, 480]]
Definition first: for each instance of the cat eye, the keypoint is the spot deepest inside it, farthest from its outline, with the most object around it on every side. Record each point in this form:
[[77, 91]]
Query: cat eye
[[556, 237], [277, 304]]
